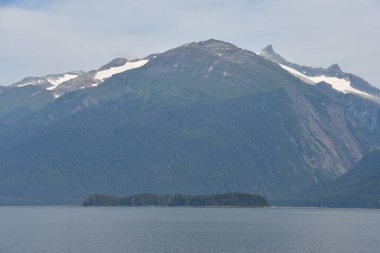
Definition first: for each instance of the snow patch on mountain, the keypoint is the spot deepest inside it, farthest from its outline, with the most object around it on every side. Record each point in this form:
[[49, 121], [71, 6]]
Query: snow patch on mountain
[[104, 74], [58, 80], [338, 84], [31, 83], [298, 74]]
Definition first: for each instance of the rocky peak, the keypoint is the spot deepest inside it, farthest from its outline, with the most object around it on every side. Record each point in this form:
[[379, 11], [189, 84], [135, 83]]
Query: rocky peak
[[216, 46], [269, 54], [117, 62], [334, 68], [269, 49]]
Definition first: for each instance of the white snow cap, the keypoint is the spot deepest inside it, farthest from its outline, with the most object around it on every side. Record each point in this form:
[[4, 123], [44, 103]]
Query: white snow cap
[[104, 74]]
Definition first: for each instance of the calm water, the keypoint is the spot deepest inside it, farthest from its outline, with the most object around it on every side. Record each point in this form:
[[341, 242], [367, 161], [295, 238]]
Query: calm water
[[95, 230]]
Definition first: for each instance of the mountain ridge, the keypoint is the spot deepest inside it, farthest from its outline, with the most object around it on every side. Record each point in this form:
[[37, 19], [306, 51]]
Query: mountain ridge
[[217, 46], [359, 85]]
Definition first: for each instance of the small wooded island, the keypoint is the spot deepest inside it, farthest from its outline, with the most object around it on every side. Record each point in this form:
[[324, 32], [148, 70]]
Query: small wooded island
[[150, 199]]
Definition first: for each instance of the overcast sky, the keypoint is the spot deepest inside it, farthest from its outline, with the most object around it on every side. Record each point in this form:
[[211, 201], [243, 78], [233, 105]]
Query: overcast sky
[[39, 37]]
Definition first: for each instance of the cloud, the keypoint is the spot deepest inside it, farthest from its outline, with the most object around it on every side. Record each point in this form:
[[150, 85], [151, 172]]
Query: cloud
[[43, 37]]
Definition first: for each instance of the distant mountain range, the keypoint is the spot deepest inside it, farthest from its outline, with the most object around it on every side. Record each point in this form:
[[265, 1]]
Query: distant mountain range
[[203, 118]]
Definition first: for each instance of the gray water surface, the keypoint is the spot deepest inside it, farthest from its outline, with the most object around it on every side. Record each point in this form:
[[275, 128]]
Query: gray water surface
[[107, 230]]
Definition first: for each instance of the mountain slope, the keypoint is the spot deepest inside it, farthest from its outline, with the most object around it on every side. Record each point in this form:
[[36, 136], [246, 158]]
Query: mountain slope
[[205, 117], [360, 187], [18, 103]]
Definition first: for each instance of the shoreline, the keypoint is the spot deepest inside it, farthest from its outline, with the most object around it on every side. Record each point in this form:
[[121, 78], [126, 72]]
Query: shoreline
[[191, 207]]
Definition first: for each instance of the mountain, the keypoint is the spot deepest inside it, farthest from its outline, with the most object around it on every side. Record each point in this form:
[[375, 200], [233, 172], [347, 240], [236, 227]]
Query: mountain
[[206, 117]]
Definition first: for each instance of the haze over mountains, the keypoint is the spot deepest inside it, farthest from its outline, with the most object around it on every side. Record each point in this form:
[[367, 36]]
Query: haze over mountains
[[206, 117]]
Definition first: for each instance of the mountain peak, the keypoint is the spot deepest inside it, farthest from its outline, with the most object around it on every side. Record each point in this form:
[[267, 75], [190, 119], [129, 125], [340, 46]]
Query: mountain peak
[[214, 45], [117, 62], [214, 42], [335, 67], [268, 52], [269, 49]]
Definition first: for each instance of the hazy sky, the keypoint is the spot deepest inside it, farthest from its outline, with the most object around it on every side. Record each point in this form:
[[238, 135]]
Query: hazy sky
[[39, 37]]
